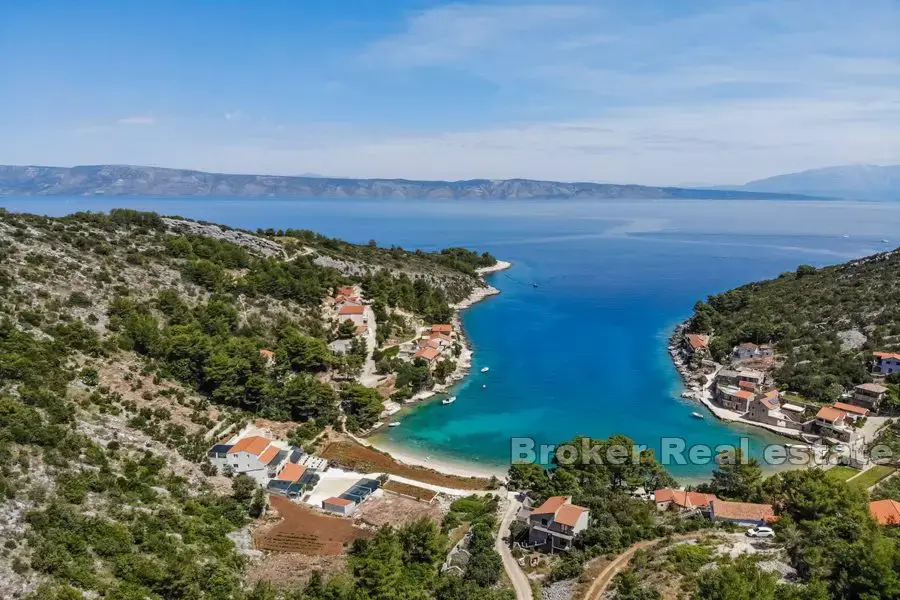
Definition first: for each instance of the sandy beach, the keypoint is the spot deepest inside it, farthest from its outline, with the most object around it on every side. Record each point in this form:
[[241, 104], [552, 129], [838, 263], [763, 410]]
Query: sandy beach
[[464, 364]]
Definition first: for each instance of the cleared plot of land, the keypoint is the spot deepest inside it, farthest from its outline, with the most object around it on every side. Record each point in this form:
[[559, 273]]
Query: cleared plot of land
[[872, 476], [363, 459], [391, 509], [291, 571], [842, 473], [301, 530], [413, 491]]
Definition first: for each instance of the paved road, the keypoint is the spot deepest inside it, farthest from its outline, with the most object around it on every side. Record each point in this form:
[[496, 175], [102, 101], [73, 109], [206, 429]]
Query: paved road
[[369, 377], [515, 573]]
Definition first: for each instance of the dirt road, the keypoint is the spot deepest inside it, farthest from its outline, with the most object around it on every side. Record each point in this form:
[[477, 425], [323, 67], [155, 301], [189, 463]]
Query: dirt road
[[515, 573]]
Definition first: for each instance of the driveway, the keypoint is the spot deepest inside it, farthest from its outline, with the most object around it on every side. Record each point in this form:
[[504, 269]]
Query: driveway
[[513, 571]]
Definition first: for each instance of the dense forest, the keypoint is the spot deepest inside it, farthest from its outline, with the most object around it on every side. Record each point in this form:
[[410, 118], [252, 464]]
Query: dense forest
[[825, 323]]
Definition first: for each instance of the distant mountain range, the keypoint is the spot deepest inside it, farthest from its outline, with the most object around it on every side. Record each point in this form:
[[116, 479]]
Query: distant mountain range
[[852, 181], [118, 180]]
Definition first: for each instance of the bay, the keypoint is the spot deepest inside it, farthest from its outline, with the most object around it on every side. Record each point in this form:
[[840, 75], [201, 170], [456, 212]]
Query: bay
[[584, 351]]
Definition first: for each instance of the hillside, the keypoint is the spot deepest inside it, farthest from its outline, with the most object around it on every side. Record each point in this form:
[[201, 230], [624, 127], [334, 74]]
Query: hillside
[[118, 180], [128, 343], [870, 182], [825, 322]]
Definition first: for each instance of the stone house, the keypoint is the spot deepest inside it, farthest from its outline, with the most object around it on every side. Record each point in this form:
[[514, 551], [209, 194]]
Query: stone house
[[868, 395]]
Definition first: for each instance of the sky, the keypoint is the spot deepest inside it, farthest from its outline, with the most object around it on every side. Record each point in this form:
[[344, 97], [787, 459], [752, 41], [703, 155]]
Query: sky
[[657, 92]]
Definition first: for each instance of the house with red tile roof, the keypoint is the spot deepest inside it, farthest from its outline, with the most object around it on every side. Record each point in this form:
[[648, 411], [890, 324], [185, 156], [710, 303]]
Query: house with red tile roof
[[887, 363], [766, 408], [885, 512], [268, 356], [693, 343], [442, 328], [429, 355], [353, 312], [734, 399], [681, 500], [342, 506], [554, 524], [255, 456], [741, 513]]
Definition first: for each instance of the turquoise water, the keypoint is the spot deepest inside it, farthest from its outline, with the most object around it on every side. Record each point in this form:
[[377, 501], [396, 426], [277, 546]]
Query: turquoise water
[[584, 352]]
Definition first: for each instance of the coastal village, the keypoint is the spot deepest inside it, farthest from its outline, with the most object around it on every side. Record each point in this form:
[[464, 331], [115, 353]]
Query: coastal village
[[743, 391]]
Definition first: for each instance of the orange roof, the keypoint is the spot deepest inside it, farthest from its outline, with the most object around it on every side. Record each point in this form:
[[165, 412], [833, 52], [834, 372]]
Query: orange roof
[[742, 510], [887, 355], [432, 344], [886, 512], [252, 445], [428, 353], [682, 498], [697, 340], [568, 514], [770, 398], [267, 456], [440, 336], [266, 353], [550, 505], [345, 290], [292, 472], [849, 408], [747, 385], [351, 309], [745, 394], [830, 414], [442, 328], [336, 500]]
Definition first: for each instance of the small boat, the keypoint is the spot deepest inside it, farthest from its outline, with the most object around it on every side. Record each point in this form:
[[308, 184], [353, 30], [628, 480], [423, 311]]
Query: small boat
[[846, 236], [534, 285], [687, 395], [485, 369], [449, 400], [696, 415], [394, 424], [483, 385], [884, 241]]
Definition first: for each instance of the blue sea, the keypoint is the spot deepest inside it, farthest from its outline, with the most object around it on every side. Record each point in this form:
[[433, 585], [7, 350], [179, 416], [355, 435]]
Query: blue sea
[[584, 352]]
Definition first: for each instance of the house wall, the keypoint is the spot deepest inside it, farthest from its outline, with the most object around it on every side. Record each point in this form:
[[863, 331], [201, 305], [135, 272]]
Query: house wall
[[888, 366], [582, 522], [345, 510], [356, 319], [742, 522]]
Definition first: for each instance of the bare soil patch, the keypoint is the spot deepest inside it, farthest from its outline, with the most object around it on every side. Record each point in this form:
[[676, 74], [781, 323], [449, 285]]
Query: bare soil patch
[[391, 509], [413, 491], [354, 456], [291, 571], [302, 530]]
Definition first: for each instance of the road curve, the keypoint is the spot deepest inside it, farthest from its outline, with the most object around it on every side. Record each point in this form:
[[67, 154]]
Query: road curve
[[513, 571]]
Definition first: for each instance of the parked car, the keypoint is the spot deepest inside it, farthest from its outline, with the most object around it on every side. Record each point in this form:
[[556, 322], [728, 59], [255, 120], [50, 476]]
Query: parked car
[[761, 532]]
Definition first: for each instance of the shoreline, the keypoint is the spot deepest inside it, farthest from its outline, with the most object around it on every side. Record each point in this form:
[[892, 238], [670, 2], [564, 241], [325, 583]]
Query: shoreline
[[701, 391], [463, 366]]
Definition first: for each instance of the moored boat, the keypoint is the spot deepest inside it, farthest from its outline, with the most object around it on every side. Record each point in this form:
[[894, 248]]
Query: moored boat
[[485, 369], [449, 400], [394, 424], [696, 415]]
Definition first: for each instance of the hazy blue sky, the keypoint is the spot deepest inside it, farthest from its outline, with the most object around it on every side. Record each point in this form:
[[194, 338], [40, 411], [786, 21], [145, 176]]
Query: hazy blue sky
[[643, 91]]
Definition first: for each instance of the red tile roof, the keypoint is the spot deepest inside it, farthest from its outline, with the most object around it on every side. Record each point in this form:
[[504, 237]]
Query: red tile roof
[[292, 472], [267, 456], [697, 341], [770, 398], [887, 355], [830, 414], [747, 385], [428, 353], [336, 500], [886, 512], [742, 510], [568, 514], [744, 394], [351, 309], [252, 445], [682, 498], [267, 354], [345, 290], [442, 328], [849, 408], [550, 505]]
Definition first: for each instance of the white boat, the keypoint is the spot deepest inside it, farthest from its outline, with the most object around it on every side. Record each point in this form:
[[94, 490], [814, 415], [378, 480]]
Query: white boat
[[449, 400], [687, 395], [485, 369], [884, 241], [696, 415], [394, 424], [483, 385]]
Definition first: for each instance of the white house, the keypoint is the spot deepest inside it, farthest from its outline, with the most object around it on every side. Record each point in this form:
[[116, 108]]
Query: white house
[[257, 457], [341, 506], [887, 363], [353, 312], [555, 523]]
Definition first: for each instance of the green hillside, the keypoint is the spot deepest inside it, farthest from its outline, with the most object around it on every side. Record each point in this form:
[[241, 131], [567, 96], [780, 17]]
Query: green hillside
[[825, 322]]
